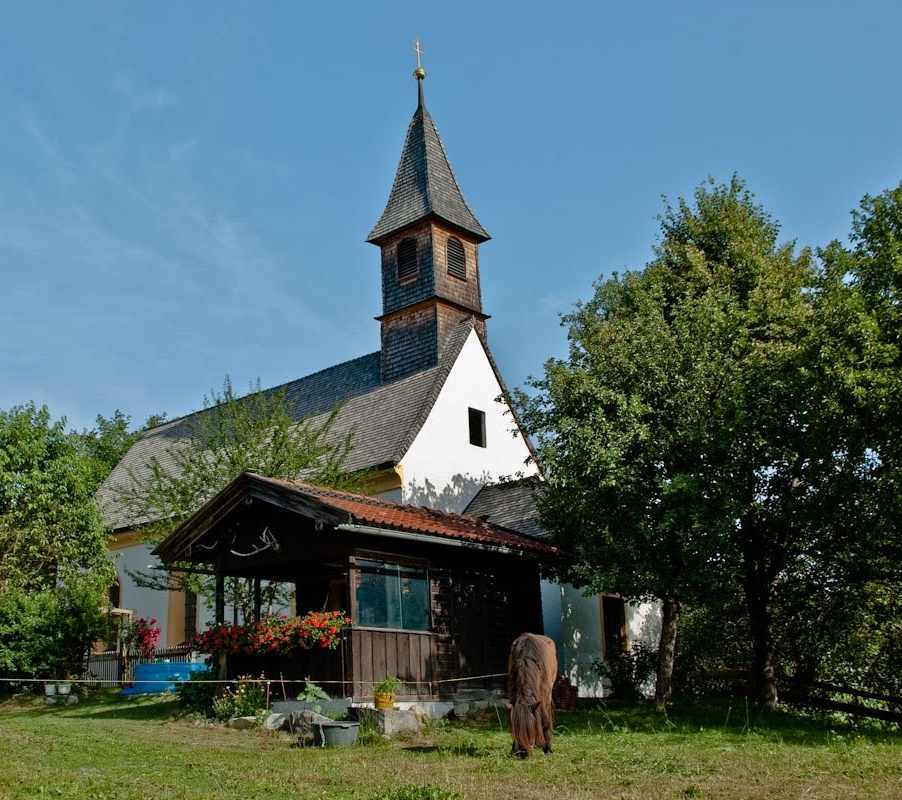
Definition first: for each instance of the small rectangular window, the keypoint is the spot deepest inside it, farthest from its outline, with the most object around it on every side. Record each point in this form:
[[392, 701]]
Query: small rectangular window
[[477, 427], [392, 596]]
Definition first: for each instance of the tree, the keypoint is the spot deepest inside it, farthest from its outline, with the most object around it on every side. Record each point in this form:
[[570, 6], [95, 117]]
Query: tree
[[844, 615], [104, 445], [229, 436], [626, 494], [689, 434], [54, 568], [50, 527]]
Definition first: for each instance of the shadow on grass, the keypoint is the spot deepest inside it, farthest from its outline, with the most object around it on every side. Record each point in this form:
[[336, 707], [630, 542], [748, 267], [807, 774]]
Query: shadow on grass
[[735, 717], [137, 708], [465, 749]]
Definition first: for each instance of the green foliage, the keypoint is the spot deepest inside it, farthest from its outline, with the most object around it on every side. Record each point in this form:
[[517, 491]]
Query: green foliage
[[50, 527], [390, 684], [703, 437], [198, 693], [311, 692], [103, 446], [628, 672], [246, 699], [714, 636], [48, 633], [231, 435]]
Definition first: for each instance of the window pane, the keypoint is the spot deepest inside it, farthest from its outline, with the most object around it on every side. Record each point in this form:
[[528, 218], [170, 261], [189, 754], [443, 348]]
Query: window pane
[[392, 596]]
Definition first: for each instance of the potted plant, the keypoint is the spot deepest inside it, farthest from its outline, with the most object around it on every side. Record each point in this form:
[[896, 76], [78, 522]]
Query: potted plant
[[384, 692]]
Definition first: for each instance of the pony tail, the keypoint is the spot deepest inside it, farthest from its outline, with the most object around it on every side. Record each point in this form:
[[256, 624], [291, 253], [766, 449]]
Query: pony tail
[[531, 670], [525, 729]]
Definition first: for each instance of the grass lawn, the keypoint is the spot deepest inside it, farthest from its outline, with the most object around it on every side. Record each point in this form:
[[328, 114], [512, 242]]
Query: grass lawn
[[107, 747]]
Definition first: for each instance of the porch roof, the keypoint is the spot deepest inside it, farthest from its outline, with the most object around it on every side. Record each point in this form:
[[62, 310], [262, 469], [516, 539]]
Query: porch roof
[[349, 512]]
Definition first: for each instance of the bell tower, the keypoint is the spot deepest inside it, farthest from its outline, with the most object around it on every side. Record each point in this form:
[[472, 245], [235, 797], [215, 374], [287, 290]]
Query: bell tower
[[429, 240]]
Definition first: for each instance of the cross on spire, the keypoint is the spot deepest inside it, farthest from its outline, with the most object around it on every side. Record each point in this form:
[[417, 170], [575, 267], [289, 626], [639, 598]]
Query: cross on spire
[[418, 51], [419, 73]]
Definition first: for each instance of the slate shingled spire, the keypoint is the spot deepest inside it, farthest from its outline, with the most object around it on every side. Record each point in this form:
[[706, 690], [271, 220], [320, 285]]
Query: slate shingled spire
[[425, 185], [429, 240]]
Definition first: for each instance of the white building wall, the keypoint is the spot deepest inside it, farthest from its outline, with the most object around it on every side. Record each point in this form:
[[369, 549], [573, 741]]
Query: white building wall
[[581, 640], [442, 469], [144, 602]]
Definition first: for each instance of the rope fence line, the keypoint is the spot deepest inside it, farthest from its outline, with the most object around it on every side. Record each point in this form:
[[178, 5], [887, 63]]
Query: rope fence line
[[95, 681]]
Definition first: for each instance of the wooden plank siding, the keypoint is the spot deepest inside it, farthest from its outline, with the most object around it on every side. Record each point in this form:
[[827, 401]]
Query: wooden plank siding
[[409, 655]]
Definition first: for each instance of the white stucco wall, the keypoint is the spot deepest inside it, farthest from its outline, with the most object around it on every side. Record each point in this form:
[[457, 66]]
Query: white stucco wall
[[144, 602], [442, 469], [573, 620]]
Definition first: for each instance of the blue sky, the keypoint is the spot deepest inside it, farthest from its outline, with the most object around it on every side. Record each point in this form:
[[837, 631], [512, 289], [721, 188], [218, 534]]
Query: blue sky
[[185, 188]]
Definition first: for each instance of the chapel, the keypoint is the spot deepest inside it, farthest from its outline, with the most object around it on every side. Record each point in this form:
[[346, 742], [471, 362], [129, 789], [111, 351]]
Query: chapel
[[438, 564]]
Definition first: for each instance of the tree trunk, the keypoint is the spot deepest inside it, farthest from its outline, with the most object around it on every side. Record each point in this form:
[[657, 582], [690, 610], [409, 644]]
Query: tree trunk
[[758, 596], [670, 622]]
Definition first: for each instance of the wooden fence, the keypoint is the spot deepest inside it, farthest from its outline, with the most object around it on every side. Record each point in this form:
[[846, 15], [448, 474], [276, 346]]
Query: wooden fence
[[112, 668], [856, 702], [817, 695]]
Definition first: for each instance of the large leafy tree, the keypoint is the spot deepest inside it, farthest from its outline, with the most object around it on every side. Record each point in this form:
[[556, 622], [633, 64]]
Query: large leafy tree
[[846, 617], [231, 435], [54, 568], [50, 528], [690, 433]]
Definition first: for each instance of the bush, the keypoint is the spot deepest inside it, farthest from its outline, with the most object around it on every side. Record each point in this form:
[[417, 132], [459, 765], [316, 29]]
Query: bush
[[47, 634], [629, 672], [198, 692], [245, 700], [712, 637]]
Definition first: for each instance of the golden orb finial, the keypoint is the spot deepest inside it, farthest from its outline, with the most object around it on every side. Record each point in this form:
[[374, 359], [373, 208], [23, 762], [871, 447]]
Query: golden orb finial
[[419, 73]]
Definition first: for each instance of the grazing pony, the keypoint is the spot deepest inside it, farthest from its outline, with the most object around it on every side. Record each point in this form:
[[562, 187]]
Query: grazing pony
[[531, 670]]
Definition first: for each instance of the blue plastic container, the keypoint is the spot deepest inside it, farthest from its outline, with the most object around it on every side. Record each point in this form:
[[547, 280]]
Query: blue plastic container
[[161, 676]]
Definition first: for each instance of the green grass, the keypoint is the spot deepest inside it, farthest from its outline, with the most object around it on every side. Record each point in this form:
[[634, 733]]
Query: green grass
[[107, 747]]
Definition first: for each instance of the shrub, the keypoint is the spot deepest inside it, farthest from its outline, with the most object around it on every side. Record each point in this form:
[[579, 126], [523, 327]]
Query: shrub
[[628, 672], [198, 692], [47, 634], [245, 700]]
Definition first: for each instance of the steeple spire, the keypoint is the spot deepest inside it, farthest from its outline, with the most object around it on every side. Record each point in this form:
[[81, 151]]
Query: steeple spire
[[424, 185], [430, 241]]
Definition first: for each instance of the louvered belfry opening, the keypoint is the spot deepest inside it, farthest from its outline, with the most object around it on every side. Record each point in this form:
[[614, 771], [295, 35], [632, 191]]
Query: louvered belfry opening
[[457, 260], [408, 268]]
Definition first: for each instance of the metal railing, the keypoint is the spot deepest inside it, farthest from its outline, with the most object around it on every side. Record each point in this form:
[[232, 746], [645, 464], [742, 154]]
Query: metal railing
[[113, 667]]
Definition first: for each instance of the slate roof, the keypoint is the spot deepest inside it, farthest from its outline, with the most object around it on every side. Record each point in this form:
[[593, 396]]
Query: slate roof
[[511, 504], [381, 419], [424, 184], [345, 508]]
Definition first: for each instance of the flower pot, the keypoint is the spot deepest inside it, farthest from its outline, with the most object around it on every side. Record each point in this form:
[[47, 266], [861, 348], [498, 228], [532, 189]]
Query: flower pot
[[64, 687], [385, 701], [50, 689], [335, 734]]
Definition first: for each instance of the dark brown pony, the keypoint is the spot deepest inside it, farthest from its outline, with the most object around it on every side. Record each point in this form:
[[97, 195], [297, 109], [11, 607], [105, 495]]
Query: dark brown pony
[[531, 670]]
